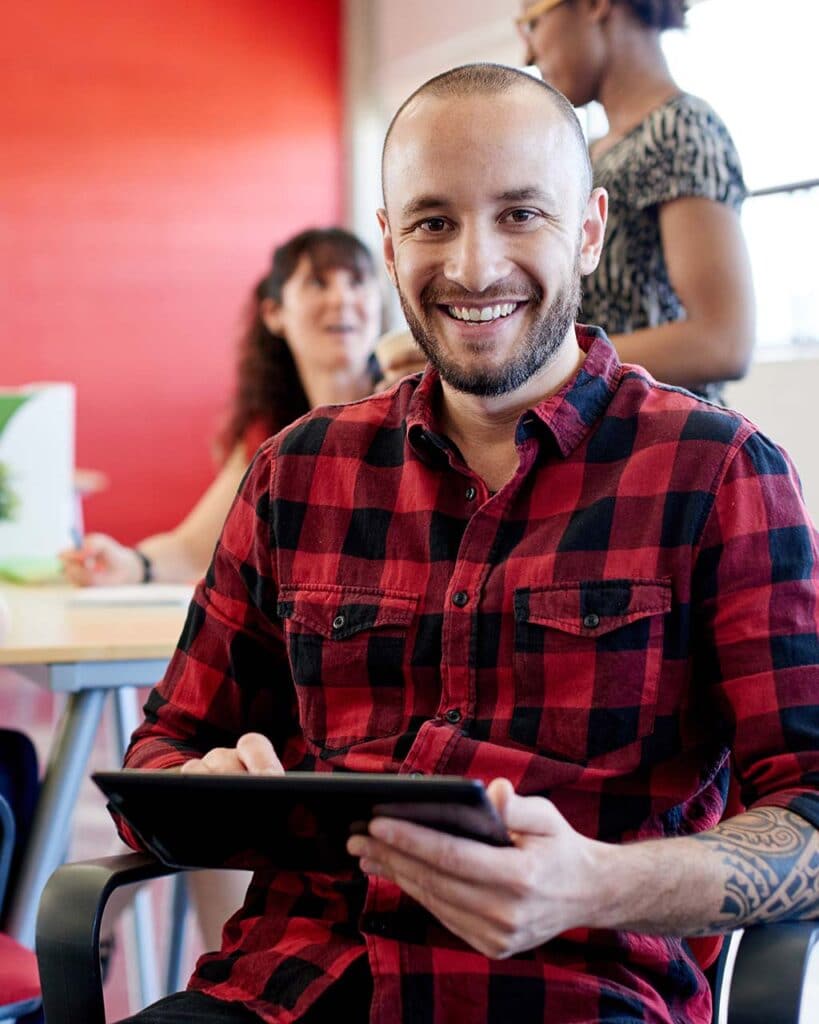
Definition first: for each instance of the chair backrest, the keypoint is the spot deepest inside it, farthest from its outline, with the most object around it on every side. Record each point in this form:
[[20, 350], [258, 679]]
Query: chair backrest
[[19, 788], [7, 838], [720, 975]]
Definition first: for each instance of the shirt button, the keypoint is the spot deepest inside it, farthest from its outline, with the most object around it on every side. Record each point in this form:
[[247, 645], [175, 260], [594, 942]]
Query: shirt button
[[470, 493], [460, 598], [453, 716], [591, 621], [375, 923], [338, 621]]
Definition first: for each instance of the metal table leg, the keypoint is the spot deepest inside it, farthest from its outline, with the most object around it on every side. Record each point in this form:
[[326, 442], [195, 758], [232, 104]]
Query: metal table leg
[[127, 718], [58, 796], [179, 909]]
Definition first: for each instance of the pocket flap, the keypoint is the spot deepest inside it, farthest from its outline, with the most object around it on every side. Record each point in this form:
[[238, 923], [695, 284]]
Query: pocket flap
[[337, 612], [592, 607]]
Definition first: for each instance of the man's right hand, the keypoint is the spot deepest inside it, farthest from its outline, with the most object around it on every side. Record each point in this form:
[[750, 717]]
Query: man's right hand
[[101, 561], [253, 754]]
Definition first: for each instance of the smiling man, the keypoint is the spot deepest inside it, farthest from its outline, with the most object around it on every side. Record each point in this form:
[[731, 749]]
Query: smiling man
[[486, 245], [491, 249], [531, 565]]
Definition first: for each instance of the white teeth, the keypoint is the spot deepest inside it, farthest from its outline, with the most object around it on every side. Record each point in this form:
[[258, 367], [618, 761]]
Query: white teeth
[[482, 315]]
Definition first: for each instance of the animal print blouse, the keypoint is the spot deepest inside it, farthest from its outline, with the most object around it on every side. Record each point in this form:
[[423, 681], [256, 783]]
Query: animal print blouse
[[681, 149]]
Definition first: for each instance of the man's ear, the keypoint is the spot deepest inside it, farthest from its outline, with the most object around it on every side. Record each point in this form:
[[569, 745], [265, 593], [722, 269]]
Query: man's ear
[[271, 313], [389, 250], [593, 231]]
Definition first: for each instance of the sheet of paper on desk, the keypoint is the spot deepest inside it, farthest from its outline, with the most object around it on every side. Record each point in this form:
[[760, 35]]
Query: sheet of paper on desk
[[149, 594]]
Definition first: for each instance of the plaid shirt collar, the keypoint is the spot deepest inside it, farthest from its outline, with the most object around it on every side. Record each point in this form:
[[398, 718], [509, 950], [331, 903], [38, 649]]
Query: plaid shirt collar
[[568, 415]]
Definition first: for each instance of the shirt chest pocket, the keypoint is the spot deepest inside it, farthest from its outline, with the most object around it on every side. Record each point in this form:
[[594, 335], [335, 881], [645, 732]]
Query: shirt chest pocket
[[587, 664], [347, 648]]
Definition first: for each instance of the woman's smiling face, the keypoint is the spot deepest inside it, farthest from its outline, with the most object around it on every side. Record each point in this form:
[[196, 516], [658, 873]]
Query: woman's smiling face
[[330, 316]]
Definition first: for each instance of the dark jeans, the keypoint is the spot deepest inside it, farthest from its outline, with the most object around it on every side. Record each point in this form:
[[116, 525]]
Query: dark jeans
[[347, 999]]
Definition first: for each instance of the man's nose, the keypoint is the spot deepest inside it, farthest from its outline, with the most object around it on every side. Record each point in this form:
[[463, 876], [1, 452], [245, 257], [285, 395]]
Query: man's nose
[[476, 259]]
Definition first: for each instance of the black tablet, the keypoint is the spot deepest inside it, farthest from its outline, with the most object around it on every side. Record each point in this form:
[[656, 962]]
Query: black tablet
[[300, 820]]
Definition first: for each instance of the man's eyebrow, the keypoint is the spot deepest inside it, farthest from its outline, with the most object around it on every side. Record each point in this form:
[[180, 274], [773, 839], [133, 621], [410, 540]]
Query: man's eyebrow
[[530, 193], [422, 204], [526, 194]]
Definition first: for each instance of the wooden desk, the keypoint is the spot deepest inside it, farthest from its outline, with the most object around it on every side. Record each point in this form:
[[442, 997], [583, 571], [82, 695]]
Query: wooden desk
[[84, 651], [48, 625]]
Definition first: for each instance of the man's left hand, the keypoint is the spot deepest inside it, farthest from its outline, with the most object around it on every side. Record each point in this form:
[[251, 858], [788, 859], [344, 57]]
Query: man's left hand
[[500, 900], [398, 355]]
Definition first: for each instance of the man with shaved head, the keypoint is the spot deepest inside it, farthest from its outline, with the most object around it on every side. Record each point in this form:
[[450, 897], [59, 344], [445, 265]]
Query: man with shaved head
[[505, 298], [531, 565]]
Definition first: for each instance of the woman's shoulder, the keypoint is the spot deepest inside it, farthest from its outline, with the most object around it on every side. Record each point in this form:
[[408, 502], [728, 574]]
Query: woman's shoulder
[[681, 148], [686, 116]]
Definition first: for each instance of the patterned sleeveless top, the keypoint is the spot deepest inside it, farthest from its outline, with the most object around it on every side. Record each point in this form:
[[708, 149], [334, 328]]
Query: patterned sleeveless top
[[681, 149]]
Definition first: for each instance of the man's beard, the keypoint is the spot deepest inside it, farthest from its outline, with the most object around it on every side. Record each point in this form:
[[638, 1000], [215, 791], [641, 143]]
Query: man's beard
[[537, 347]]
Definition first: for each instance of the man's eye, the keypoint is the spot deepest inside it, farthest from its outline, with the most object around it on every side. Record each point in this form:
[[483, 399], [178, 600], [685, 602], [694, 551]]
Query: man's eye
[[433, 225], [521, 216]]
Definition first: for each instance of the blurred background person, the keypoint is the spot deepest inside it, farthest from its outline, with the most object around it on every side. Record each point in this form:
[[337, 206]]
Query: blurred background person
[[673, 289], [313, 325]]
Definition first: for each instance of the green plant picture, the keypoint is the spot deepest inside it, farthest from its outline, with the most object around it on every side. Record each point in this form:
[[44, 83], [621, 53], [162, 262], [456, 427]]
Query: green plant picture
[[8, 499]]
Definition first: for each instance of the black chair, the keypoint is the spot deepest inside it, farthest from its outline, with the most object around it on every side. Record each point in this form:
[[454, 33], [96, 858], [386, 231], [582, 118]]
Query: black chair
[[19, 979], [761, 975]]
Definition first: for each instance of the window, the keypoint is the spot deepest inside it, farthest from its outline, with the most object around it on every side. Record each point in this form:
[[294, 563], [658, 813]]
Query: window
[[756, 64]]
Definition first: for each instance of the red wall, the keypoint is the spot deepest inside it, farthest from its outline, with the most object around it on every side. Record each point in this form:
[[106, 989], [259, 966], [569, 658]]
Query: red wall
[[153, 153]]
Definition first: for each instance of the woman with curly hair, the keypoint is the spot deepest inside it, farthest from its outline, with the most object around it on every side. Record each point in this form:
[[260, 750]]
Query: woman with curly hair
[[673, 288], [312, 327]]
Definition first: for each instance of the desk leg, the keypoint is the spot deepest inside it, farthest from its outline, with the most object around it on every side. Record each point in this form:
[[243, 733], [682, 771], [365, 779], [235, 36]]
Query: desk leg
[[127, 718], [52, 820]]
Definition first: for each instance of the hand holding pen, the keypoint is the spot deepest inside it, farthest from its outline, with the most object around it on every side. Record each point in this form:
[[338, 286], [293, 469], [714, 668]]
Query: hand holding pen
[[99, 560]]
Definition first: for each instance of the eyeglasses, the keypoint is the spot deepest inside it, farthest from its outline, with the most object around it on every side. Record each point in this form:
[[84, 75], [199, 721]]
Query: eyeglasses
[[527, 22]]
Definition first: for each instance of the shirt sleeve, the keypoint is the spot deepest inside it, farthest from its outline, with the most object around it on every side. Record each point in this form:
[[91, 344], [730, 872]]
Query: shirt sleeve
[[689, 153], [230, 674], [755, 602]]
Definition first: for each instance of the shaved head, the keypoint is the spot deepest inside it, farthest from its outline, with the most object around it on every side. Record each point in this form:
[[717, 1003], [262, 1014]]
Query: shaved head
[[490, 80]]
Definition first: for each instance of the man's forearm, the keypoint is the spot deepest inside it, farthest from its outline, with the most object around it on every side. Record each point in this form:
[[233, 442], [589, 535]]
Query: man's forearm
[[760, 866]]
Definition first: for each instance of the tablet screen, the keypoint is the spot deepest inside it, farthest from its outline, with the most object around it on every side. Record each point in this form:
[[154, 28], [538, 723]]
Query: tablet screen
[[299, 821]]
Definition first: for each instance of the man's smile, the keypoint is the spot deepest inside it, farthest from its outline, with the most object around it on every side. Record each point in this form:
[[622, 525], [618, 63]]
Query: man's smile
[[482, 314]]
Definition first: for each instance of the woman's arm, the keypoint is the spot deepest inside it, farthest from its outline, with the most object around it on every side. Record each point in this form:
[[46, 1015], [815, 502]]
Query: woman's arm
[[709, 269], [179, 555]]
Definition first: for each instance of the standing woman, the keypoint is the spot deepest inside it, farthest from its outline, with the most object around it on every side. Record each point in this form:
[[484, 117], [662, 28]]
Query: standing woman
[[673, 288], [313, 324]]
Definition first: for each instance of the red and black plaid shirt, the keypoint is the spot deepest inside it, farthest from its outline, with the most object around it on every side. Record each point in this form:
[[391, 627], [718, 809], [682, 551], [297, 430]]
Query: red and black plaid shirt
[[637, 600]]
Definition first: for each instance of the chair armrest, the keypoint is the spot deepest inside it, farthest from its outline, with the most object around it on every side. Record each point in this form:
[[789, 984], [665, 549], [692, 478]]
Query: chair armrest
[[769, 973], [68, 932]]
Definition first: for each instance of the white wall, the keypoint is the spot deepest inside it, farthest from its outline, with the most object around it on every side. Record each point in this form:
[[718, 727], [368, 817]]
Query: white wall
[[418, 38], [782, 398], [392, 47]]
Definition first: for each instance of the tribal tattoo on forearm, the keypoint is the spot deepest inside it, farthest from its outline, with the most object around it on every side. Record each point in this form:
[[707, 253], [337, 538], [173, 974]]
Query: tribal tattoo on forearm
[[773, 860]]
